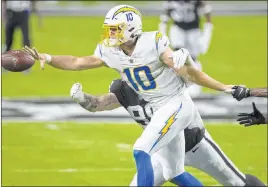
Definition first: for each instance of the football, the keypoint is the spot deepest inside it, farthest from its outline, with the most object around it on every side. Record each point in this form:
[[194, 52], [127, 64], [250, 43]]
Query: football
[[16, 61]]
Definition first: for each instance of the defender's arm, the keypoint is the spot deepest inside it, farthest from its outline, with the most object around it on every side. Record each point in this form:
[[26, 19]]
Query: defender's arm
[[258, 92], [99, 103], [241, 92], [93, 103]]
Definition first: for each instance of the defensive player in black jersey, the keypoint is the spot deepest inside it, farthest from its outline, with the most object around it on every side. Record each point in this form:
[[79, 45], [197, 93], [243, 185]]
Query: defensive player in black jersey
[[201, 151], [256, 117], [185, 29]]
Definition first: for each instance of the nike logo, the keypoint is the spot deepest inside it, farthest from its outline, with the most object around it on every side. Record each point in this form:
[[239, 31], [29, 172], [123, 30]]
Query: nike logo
[[240, 92], [165, 43], [194, 150]]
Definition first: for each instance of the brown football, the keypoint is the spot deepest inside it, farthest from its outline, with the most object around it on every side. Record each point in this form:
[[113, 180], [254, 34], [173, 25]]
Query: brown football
[[16, 61]]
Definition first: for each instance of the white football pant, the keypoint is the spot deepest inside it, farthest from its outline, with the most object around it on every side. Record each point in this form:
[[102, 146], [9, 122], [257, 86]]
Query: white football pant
[[206, 156], [165, 134]]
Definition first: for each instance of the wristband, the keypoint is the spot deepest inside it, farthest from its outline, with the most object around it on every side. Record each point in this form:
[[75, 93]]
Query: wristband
[[48, 58]]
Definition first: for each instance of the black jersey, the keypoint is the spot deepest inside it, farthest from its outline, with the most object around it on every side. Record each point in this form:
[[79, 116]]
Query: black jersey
[[141, 112], [184, 13]]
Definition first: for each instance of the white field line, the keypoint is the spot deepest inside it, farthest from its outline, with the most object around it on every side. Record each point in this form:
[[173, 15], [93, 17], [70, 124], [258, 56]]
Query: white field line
[[88, 170], [74, 170], [84, 170], [200, 175], [122, 147]]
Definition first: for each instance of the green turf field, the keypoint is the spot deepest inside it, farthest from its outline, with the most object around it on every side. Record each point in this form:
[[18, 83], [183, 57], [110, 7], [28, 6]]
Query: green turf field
[[72, 155], [238, 54]]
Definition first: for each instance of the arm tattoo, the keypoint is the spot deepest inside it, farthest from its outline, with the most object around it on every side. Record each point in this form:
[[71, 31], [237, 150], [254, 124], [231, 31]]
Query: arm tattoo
[[89, 102], [258, 92], [99, 103]]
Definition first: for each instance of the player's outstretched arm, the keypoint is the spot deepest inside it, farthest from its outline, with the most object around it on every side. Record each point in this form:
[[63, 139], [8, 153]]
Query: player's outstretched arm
[[182, 63], [198, 77], [65, 62], [93, 103]]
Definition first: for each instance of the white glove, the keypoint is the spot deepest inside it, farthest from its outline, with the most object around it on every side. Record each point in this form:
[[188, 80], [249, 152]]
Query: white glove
[[206, 37], [180, 57], [76, 92]]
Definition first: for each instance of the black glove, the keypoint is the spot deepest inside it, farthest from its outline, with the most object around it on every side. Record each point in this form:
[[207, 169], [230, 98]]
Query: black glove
[[240, 92], [254, 118]]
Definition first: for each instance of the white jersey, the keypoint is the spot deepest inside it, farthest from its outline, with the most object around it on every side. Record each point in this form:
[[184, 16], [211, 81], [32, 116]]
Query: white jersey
[[153, 80]]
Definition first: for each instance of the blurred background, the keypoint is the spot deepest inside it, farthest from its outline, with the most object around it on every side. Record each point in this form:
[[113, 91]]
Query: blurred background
[[49, 140]]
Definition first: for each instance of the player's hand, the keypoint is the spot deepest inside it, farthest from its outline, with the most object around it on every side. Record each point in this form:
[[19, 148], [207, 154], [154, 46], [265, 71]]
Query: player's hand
[[179, 57], [240, 92], [76, 92], [228, 89], [37, 56], [254, 118]]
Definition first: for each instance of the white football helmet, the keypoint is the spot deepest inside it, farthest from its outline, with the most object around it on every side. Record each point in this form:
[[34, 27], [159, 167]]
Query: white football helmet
[[122, 24]]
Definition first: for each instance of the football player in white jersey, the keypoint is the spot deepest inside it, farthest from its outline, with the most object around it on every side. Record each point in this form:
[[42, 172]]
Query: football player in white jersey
[[201, 151], [185, 29], [146, 62]]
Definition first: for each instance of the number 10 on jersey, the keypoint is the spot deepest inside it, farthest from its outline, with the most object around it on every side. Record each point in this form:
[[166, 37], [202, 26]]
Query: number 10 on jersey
[[136, 71]]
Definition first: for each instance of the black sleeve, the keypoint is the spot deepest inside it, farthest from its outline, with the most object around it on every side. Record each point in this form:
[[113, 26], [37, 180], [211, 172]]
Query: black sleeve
[[116, 88]]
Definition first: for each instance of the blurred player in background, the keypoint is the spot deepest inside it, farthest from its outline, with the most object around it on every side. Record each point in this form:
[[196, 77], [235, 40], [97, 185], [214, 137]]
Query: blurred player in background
[[17, 14], [185, 29], [256, 117], [201, 152]]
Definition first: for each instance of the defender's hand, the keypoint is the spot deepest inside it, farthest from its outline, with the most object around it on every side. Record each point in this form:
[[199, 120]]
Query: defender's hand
[[254, 118], [76, 92], [43, 58], [180, 57], [240, 92]]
